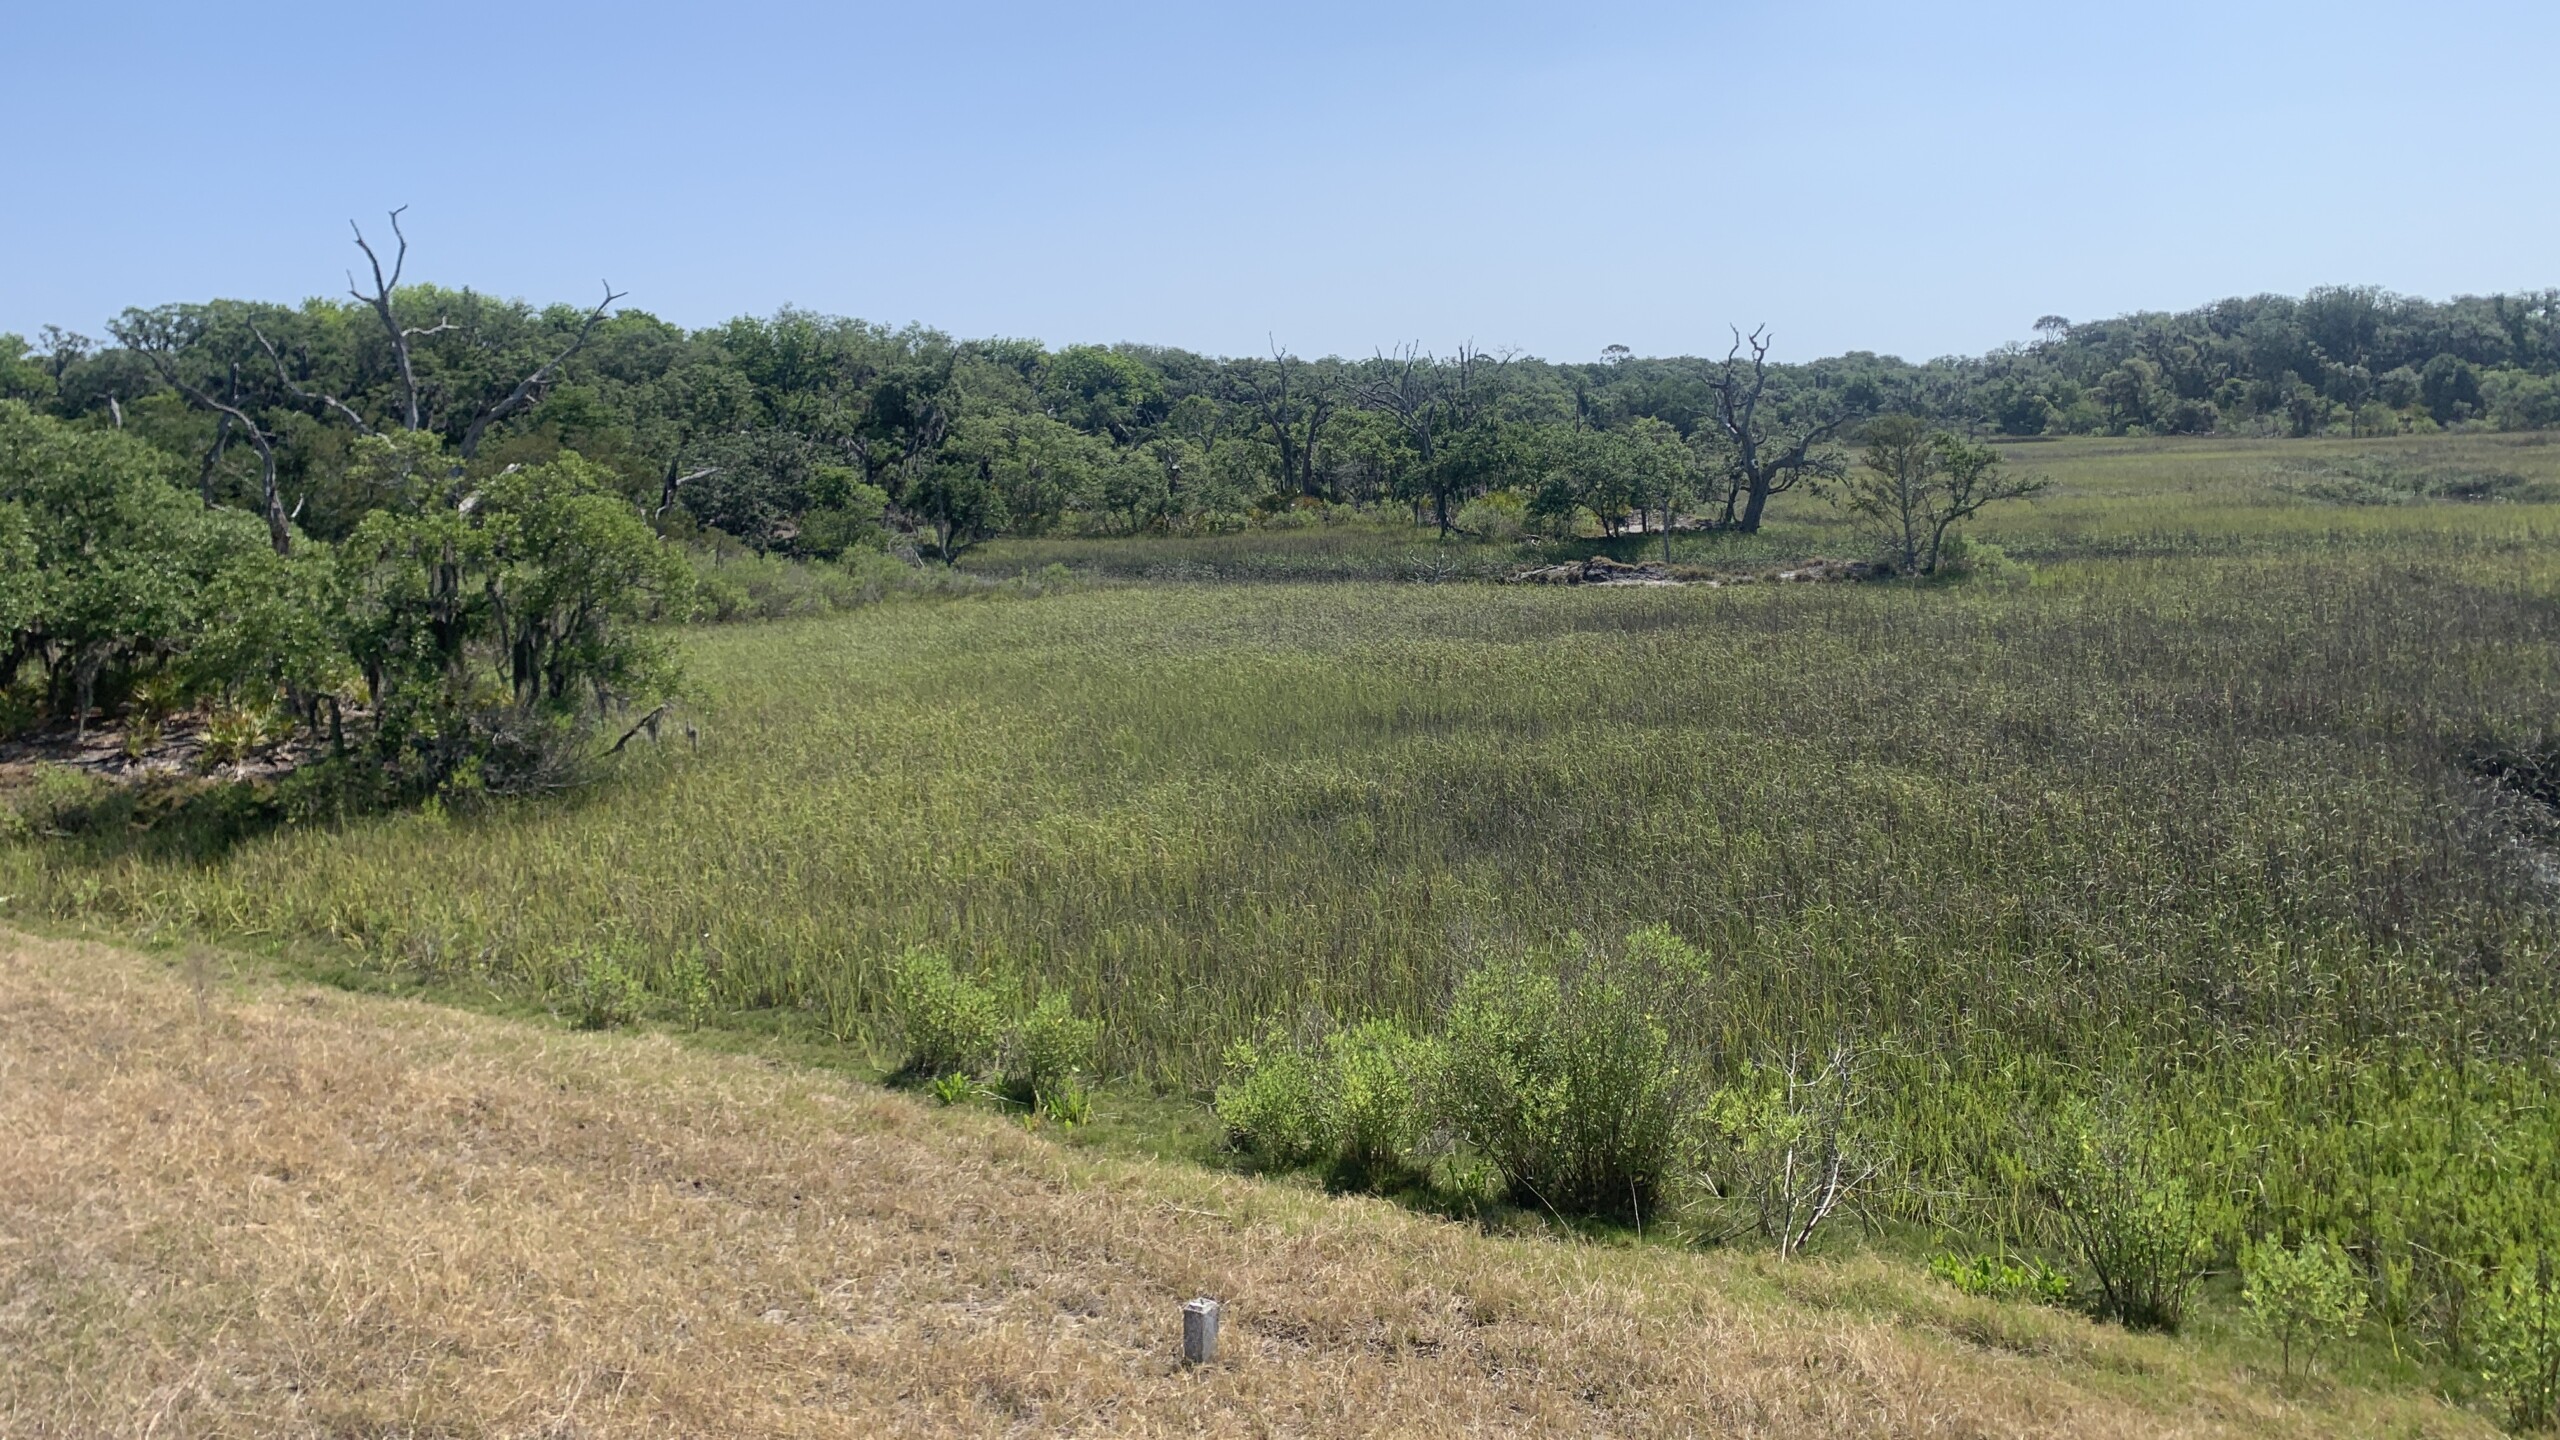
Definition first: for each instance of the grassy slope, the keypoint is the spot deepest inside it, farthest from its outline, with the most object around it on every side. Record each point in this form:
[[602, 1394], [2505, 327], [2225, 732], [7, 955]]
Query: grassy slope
[[231, 1206]]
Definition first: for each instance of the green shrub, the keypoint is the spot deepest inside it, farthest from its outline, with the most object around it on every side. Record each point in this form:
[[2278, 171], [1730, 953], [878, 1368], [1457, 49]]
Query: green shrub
[[2302, 1296], [2520, 1345], [233, 733], [1374, 1096], [947, 1021], [2139, 1228], [953, 1088], [690, 982], [609, 995], [1567, 1088], [1046, 1049], [1359, 1102], [1067, 1106], [1498, 516], [1268, 1102], [1998, 1277]]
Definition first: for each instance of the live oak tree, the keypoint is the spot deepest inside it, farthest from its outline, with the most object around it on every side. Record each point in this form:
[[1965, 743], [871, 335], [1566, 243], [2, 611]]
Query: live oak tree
[[1914, 484]]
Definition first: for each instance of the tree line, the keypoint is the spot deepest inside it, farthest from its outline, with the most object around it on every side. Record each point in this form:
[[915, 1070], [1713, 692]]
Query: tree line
[[460, 514], [808, 435]]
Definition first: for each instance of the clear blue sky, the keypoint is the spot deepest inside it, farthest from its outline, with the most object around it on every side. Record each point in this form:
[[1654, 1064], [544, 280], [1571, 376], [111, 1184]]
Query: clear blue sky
[[1911, 178]]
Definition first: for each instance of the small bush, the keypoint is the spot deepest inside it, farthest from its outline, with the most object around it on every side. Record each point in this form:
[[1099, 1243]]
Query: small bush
[[2139, 1228], [1998, 1277], [1268, 1102], [1567, 1089], [953, 1088], [1374, 1097], [947, 1021], [690, 981], [1784, 1148], [1067, 1106], [233, 733], [1358, 1102], [609, 995], [1499, 516], [2520, 1345], [2302, 1296], [1046, 1049]]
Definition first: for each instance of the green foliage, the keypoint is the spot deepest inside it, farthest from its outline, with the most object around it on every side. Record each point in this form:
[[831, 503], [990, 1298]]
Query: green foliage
[[2520, 1344], [1564, 1081], [609, 995], [1047, 1049], [1358, 1101], [1271, 1101], [1067, 1106], [2138, 1226], [2001, 1277], [490, 617], [2303, 1295], [1915, 484], [953, 1088], [116, 574], [948, 1021], [235, 732], [689, 983], [1784, 1147], [1378, 1086]]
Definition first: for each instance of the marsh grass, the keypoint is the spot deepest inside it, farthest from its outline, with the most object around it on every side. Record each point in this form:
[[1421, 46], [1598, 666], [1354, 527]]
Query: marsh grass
[[2193, 823]]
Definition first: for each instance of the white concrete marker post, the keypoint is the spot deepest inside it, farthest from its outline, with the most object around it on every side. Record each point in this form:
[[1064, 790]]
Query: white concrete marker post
[[1200, 1331]]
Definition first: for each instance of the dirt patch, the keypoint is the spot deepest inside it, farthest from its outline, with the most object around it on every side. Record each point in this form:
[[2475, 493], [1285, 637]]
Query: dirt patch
[[1598, 570], [1601, 570], [178, 746]]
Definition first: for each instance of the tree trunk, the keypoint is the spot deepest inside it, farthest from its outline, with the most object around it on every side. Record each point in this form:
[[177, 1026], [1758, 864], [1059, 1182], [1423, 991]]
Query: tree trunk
[[1759, 501]]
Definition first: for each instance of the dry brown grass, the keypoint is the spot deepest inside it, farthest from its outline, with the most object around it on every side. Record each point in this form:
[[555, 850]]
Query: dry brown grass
[[247, 1207]]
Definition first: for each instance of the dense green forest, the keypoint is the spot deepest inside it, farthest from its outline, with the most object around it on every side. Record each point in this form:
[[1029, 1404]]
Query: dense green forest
[[809, 435]]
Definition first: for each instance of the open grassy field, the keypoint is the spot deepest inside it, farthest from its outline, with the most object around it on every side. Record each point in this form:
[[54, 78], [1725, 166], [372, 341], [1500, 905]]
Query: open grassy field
[[2217, 495], [230, 1206], [2233, 814]]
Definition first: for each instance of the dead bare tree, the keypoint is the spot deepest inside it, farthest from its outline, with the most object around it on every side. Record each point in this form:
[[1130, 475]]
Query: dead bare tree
[[380, 300], [413, 413], [1431, 400], [1765, 456], [1293, 400], [530, 387], [221, 442]]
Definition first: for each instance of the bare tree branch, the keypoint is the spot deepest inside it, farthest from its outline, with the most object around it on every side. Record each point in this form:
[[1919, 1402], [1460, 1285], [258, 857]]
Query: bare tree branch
[[380, 300], [221, 442], [676, 482], [531, 385], [332, 401]]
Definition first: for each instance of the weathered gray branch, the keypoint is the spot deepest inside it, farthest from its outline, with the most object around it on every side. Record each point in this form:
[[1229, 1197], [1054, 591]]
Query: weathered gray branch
[[286, 379], [380, 300], [531, 385]]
